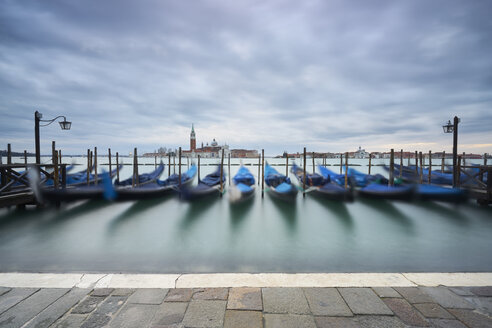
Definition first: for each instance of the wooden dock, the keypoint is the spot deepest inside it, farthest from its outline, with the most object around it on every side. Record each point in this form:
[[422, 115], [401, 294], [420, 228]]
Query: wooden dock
[[15, 189]]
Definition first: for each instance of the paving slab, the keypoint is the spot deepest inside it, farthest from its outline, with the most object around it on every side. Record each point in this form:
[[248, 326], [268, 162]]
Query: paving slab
[[88, 304], [15, 296], [446, 323], [433, 310], [179, 295], [104, 312], [326, 302], [462, 291], [4, 290], [406, 312], [414, 295], [482, 291], [243, 319], [376, 321], [472, 318], [134, 316], [246, 298], [447, 298], [202, 313], [27, 309], [169, 313], [210, 294], [364, 301], [285, 300], [148, 296], [70, 321], [289, 321], [102, 291], [482, 304], [58, 308], [386, 292], [123, 291], [336, 322]]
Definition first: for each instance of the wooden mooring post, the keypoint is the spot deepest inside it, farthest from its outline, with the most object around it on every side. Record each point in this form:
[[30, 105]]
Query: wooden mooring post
[[341, 162], [304, 175], [421, 168], [9, 154], [369, 169], [88, 166], [287, 165], [458, 173], [416, 164], [109, 161], [262, 172], [95, 165], [25, 158], [229, 168], [169, 164], [54, 155], [392, 169], [401, 163], [155, 161], [259, 168], [314, 169], [117, 168], [346, 170], [198, 168], [135, 181], [179, 167], [174, 162], [442, 161], [222, 173], [430, 168]]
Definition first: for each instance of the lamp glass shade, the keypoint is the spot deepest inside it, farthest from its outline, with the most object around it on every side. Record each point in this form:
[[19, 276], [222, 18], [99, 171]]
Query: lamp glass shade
[[448, 128], [65, 125]]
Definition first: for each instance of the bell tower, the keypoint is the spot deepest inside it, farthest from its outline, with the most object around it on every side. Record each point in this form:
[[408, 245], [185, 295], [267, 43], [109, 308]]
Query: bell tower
[[192, 139]]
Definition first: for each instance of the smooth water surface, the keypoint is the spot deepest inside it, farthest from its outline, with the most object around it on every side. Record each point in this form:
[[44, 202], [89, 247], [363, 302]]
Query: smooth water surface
[[263, 235]]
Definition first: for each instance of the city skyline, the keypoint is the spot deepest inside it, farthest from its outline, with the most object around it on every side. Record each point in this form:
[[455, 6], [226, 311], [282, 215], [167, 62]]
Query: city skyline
[[327, 75]]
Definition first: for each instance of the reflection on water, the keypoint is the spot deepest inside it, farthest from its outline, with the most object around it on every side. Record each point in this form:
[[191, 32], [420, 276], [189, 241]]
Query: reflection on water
[[338, 209], [260, 235], [287, 211], [389, 210]]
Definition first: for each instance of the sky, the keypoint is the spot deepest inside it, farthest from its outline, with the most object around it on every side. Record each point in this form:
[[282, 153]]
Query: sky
[[280, 75]]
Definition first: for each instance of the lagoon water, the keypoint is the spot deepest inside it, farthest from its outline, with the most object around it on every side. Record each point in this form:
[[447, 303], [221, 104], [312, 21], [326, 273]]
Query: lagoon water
[[264, 235]]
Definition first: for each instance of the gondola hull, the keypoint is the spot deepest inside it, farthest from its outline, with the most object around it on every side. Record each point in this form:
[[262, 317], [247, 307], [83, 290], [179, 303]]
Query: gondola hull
[[378, 191], [427, 192], [334, 192]]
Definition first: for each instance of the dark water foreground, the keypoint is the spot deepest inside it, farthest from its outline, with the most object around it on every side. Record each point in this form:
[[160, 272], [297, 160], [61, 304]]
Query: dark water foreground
[[170, 236]]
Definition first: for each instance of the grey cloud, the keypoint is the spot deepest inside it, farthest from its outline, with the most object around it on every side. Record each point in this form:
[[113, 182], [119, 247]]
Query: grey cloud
[[298, 73]]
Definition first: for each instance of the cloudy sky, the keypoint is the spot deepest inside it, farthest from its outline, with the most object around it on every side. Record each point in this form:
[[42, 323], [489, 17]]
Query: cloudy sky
[[328, 75]]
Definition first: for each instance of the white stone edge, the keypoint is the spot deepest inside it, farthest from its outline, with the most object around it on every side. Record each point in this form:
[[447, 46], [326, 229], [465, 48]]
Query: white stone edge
[[91, 280]]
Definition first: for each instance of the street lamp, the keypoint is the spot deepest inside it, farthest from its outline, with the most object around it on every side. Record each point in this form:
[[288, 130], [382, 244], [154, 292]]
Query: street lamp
[[453, 128], [64, 125]]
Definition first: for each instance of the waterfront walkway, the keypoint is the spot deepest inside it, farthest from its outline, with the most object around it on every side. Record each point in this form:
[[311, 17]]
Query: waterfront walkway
[[79, 300]]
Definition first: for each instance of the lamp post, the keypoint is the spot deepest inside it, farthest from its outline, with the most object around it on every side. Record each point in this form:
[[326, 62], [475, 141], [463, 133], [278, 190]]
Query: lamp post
[[453, 128], [65, 125]]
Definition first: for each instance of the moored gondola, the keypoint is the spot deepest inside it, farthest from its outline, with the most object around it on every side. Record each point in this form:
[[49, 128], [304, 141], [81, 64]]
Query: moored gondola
[[207, 187], [243, 186], [279, 185]]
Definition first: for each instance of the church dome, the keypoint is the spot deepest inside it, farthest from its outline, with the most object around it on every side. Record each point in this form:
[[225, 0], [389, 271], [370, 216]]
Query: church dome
[[214, 143]]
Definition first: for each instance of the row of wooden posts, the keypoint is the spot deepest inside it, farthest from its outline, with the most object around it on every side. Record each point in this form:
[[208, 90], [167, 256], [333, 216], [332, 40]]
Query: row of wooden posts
[[92, 164]]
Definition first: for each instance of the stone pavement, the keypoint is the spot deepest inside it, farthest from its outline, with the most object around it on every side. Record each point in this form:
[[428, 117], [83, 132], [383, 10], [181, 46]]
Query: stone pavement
[[247, 307]]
